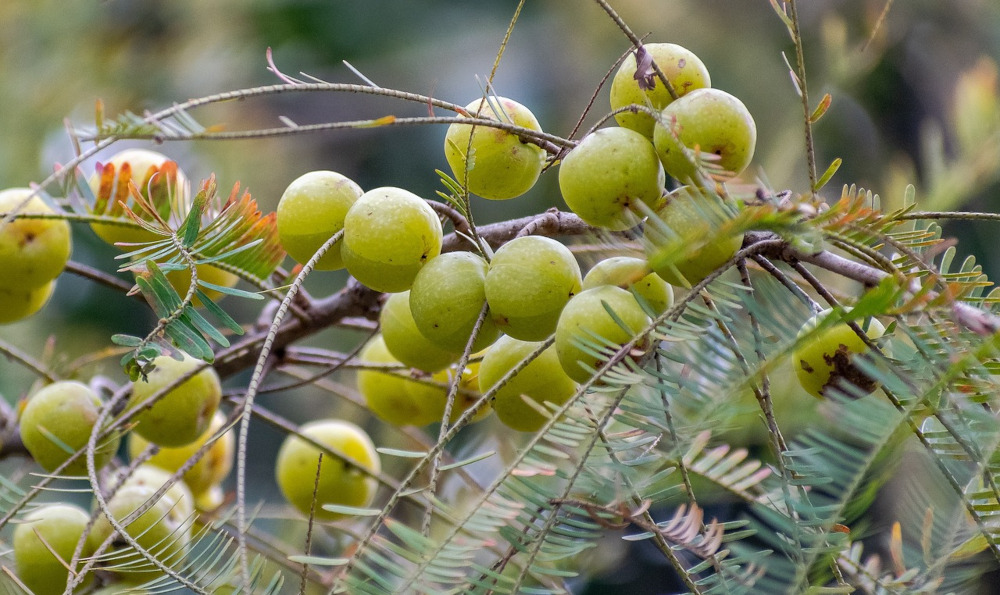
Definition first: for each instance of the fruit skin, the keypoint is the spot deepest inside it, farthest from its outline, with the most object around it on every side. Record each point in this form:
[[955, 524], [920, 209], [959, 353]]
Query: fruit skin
[[339, 482], [18, 304], [632, 274], [683, 245], [585, 317], [55, 526], [63, 413], [388, 395], [502, 166], [310, 211], [33, 252], [404, 340], [209, 471], [825, 359], [685, 71], [183, 414], [711, 120], [164, 530], [434, 399], [446, 299], [530, 280], [543, 379], [605, 177], [172, 198], [154, 477], [389, 234]]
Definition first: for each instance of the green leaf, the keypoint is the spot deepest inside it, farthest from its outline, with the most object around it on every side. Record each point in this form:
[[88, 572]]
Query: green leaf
[[231, 290], [830, 171], [197, 321], [468, 461], [126, 340], [219, 313]]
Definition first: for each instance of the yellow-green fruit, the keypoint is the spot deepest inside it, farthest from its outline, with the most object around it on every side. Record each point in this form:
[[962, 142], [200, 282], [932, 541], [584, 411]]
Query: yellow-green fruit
[[606, 177], [635, 275], [181, 415], [585, 322], [711, 121], [446, 298], [530, 280], [390, 396], [151, 476], [685, 242], [310, 211], [163, 530], [825, 360], [685, 71], [340, 482], [44, 544], [389, 234], [210, 470], [158, 180], [57, 421], [500, 165], [33, 252], [542, 380], [210, 499], [433, 399], [17, 304], [405, 341]]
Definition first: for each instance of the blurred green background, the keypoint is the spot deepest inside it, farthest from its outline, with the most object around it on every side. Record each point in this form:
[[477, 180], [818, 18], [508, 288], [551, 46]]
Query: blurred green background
[[914, 101]]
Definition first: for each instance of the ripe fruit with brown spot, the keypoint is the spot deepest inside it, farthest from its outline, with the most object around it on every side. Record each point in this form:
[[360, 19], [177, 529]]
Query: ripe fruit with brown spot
[[33, 252]]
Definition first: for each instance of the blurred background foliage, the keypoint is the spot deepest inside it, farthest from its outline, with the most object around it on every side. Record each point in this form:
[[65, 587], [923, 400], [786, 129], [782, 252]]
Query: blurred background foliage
[[915, 101]]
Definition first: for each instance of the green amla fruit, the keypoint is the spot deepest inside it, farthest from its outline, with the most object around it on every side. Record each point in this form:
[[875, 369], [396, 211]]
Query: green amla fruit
[[163, 530], [389, 234], [685, 71], [57, 421], [311, 210], [606, 176], [44, 544], [181, 415], [530, 280], [685, 240], [711, 121], [405, 341], [340, 482], [542, 380], [33, 252], [209, 471], [18, 304], [446, 298], [635, 275], [494, 163], [586, 319]]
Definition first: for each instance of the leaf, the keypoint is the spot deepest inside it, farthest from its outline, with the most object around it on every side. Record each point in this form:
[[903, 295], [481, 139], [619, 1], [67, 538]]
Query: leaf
[[829, 173], [126, 340], [824, 105]]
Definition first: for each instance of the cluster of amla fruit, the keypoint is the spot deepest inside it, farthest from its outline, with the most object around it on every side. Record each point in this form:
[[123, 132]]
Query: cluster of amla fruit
[[56, 423], [614, 178]]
